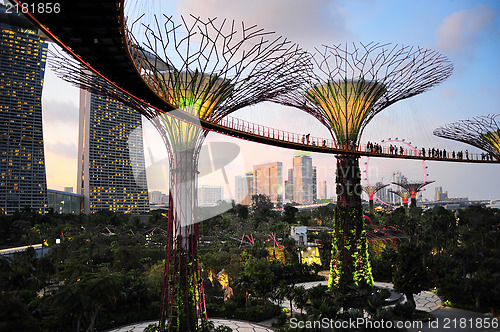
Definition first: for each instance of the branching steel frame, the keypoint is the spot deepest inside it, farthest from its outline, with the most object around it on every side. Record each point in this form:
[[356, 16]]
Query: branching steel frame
[[482, 132], [371, 191], [413, 188], [348, 86]]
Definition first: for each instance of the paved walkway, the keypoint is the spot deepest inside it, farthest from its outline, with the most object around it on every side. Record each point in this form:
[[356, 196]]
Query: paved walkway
[[237, 326], [425, 301]]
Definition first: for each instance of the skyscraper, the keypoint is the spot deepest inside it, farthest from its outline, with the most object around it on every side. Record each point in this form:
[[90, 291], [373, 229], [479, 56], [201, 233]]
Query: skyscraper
[[322, 190], [314, 185], [111, 167], [440, 194], [22, 67], [289, 186], [268, 180], [244, 188], [303, 178], [210, 195]]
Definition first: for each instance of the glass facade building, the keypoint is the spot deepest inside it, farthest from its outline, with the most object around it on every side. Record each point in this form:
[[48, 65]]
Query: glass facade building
[[111, 166], [304, 182], [268, 180], [244, 188], [22, 163], [64, 202]]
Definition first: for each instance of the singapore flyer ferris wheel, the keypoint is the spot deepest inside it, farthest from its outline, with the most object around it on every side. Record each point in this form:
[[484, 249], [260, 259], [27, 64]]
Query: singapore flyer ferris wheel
[[388, 170]]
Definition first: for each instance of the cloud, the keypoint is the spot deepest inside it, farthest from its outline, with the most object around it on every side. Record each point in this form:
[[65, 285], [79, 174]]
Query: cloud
[[448, 93], [62, 149], [461, 32], [60, 112], [309, 23]]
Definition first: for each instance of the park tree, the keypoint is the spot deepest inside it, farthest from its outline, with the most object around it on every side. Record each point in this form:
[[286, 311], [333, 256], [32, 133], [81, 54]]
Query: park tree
[[479, 225], [438, 229], [261, 204], [289, 213], [411, 276], [241, 211]]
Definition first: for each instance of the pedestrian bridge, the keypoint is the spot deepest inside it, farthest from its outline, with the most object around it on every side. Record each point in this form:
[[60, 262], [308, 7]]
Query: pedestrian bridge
[[95, 33]]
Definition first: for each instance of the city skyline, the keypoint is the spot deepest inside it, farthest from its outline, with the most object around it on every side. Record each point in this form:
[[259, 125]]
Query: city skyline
[[466, 32]]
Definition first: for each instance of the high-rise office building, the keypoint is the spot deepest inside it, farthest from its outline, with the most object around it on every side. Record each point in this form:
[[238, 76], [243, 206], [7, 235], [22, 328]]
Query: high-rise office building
[[383, 194], [289, 186], [210, 195], [268, 180], [155, 196], [440, 194], [314, 185], [22, 67], [111, 166], [322, 190], [303, 178], [244, 188]]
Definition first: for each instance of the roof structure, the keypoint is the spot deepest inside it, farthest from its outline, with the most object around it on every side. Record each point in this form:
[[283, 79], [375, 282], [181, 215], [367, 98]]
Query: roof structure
[[403, 194], [350, 84], [482, 132], [372, 190], [413, 187]]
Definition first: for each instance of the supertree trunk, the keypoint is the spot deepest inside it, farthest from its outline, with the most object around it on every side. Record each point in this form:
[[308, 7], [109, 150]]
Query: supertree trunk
[[413, 203], [350, 262], [182, 297], [372, 209]]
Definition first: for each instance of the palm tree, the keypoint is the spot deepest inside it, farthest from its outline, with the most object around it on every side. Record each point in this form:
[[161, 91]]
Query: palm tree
[[300, 297], [245, 282]]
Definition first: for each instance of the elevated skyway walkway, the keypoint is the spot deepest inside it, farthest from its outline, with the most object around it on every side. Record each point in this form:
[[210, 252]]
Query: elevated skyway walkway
[[95, 33], [258, 133]]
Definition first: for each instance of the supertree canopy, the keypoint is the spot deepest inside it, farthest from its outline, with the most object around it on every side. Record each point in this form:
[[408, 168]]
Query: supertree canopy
[[413, 188], [404, 196], [371, 191], [482, 132], [204, 70], [348, 86]]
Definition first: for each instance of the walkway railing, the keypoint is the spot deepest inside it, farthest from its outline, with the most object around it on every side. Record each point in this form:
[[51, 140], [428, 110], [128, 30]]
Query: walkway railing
[[318, 143], [146, 71]]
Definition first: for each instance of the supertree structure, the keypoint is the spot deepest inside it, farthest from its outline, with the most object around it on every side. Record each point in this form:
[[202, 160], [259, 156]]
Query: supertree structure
[[349, 85], [204, 70], [413, 188], [371, 191], [404, 196], [482, 132]]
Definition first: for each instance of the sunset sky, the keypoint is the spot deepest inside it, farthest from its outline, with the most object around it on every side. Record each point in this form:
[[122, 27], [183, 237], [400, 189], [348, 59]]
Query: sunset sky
[[467, 32]]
